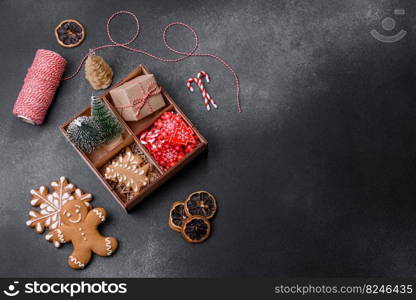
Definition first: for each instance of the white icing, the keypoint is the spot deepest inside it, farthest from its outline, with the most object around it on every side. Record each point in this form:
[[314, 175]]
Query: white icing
[[77, 220], [85, 197]]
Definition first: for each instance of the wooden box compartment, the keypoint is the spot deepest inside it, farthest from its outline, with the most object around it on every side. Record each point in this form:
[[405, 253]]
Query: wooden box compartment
[[132, 129]]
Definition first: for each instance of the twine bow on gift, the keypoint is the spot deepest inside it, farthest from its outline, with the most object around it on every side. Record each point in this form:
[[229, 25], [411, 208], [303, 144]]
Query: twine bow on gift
[[147, 91]]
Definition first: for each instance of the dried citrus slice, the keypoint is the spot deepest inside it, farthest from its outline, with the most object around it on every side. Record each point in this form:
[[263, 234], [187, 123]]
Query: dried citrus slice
[[70, 33], [196, 229], [177, 216], [201, 203]]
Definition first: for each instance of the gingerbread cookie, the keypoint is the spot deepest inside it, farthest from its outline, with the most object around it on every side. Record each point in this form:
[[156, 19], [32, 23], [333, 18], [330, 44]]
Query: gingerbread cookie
[[69, 216]]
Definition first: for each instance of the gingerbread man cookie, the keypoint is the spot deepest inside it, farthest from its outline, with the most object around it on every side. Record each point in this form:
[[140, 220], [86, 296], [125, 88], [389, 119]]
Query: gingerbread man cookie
[[79, 226], [75, 221]]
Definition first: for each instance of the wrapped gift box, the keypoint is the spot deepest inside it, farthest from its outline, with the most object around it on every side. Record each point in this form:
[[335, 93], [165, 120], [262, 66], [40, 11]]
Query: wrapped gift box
[[98, 159], [137, 98]]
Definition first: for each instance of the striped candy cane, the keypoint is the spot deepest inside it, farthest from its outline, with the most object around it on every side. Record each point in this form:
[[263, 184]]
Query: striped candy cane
[[207, 98]]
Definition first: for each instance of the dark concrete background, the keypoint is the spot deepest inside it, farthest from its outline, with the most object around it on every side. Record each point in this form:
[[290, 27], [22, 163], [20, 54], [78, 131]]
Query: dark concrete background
[[314, 178]]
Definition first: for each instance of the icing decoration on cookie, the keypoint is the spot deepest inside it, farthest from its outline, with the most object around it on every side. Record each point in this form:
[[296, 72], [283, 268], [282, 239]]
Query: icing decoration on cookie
[[50, 204], [169, 140]]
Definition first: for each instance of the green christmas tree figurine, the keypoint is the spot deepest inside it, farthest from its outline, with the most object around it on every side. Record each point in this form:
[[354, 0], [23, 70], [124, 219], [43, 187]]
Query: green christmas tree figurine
[[109, 126], [85, 133]]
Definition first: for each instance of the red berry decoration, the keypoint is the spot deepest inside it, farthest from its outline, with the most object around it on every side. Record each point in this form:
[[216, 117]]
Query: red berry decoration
[[192, 218]]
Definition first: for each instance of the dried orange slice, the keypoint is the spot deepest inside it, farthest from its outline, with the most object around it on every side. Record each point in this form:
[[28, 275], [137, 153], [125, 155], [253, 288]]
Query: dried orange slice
[[201, 203], [70, 33], [196, 229], [177, 216]]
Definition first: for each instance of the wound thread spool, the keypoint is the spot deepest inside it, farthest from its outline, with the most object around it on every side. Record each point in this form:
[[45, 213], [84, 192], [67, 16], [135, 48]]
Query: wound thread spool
[[39, 86]]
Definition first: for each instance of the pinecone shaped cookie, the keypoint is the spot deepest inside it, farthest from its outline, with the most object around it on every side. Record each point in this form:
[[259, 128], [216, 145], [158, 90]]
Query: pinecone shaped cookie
[[98, 72]]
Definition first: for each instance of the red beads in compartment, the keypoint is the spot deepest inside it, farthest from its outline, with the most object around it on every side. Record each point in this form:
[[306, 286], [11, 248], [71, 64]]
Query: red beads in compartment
[[169, 139]]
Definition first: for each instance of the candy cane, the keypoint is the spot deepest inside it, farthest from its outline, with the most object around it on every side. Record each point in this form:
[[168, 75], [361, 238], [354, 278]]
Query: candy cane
[[204, 74], [207, 98]]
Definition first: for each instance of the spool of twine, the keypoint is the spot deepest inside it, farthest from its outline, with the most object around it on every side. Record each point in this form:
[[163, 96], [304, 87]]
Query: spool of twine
[[39, 86]]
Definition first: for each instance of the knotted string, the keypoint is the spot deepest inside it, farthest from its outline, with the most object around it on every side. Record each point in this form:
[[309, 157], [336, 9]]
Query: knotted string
[[183, 54]]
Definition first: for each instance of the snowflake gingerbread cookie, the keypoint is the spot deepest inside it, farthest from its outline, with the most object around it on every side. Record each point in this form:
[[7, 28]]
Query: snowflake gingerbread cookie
[[69, 217]]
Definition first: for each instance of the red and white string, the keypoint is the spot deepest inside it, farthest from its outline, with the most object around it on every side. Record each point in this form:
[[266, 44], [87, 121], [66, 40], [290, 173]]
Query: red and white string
[[183, 55]]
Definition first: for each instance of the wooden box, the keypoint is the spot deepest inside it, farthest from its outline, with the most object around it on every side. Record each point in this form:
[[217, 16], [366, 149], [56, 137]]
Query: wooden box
[[132, 129]]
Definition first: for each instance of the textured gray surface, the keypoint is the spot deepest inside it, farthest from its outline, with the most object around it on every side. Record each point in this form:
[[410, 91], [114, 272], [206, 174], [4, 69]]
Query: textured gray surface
[[315, 178]]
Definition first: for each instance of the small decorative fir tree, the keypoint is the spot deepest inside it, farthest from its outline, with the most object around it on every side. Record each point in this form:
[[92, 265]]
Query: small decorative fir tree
[[85, 133], [107, 122]]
